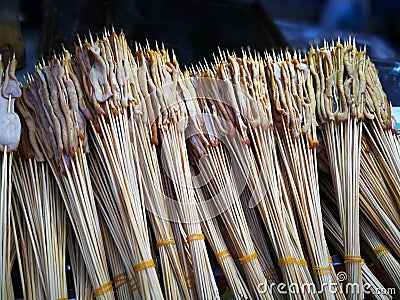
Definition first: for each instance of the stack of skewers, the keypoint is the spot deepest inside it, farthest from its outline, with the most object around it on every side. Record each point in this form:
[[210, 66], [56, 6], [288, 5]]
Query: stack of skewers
[[148, 177]]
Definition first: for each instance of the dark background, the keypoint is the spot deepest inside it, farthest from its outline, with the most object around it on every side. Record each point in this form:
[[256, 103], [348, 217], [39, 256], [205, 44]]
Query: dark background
[[195, 29]]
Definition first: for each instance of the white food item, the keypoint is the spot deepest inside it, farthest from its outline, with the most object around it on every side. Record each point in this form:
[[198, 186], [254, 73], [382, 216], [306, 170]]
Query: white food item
[[10, 126]]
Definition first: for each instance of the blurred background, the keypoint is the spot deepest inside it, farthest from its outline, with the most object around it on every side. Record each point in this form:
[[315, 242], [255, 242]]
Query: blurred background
[[195, 28]]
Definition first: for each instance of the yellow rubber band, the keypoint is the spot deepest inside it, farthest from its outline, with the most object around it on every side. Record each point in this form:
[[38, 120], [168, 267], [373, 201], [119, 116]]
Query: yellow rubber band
[[195, 237], [121, 284], [330, 259], [379, 256], [62, 298], [101, 290], [381, 251], [363, 263], [287, 261], [319, 270], [144, 265], [165, 242], [120, 280], [324, 273], [222, 255], [352, 259], [302, 262], [119, 277], [247, 258]]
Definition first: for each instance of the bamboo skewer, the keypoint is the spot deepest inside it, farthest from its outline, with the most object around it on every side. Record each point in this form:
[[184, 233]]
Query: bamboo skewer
[[342, 133], [5, 217], [121, 282], [78, 187], [106, 198], [14, 256], [10, 135], [131, 141], [290, 256], [375, 202], [120, 146], [334, 235], [370, 102], [223, 255], [375, 189], [153, 192], [54, 86], [248, 125], [381, 132], [82, 286], [273, 211], [225, 196], [45, 219], [296, 140], [152, 183], [386, 146], [179, 234], [271, 271], [387, 260], [204, 280], [32, 282], [177, 167]]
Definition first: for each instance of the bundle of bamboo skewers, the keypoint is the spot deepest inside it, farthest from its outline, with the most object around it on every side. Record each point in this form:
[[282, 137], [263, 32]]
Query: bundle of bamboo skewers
[[148, 176]]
